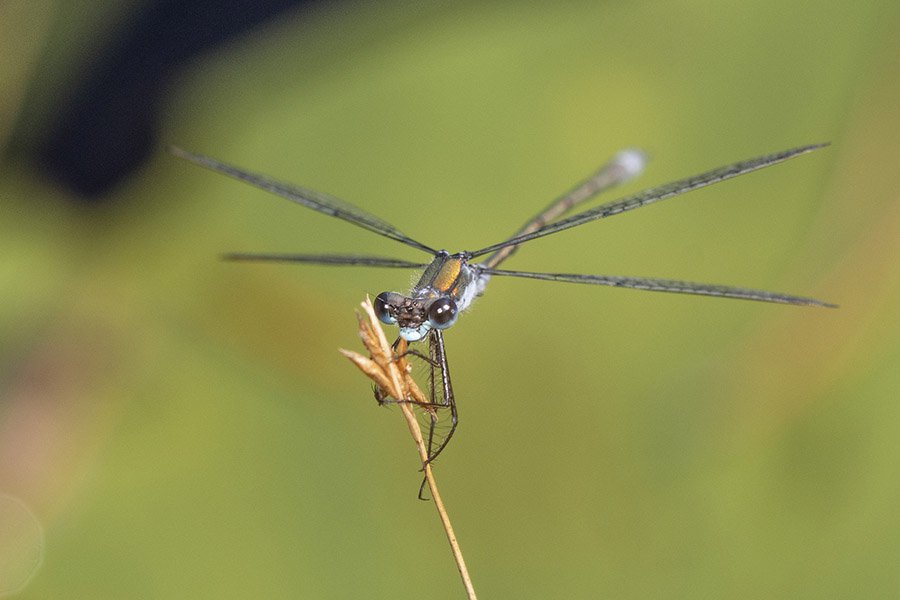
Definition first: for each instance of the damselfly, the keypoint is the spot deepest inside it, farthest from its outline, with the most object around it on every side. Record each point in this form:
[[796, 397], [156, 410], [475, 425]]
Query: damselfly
[[451, 282]]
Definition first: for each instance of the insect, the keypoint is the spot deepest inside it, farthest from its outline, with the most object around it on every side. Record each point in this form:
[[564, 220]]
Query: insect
[[451, 282]]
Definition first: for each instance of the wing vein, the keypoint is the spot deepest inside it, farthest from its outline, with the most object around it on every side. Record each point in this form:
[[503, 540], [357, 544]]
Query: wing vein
[[667, 285], [652, 195], [318, 201]]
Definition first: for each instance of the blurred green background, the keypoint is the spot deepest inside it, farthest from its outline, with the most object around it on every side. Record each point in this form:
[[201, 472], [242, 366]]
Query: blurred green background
[[185, 428]]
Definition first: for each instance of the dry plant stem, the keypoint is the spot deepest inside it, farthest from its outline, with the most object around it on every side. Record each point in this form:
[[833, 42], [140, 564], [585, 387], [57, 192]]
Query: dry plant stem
[[392, 376]]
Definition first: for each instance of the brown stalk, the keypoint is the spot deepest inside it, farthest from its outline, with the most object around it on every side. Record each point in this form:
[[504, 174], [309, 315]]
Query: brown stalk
[[392, 375]]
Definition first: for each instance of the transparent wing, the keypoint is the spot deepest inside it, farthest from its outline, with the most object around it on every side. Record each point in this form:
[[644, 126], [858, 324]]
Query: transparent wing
[[317, 201], [351, 260], [623, 167], [667, 285], [653, 195]]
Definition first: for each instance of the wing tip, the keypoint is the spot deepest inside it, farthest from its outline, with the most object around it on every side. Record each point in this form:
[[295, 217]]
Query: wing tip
[[811, 147], [176, 151]]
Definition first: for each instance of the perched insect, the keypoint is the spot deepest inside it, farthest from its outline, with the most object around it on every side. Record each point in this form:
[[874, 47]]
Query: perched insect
[[451, 282]]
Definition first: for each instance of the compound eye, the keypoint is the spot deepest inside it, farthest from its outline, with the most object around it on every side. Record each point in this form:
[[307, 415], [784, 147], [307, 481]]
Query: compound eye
[[442, 313], [382, 308]]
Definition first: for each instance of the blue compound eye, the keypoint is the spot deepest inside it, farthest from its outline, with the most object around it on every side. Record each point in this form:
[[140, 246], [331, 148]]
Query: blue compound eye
[[442, 313], [382, 308]]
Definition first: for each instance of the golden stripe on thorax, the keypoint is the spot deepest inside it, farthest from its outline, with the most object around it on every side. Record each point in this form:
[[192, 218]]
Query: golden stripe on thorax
[[448, 278]]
